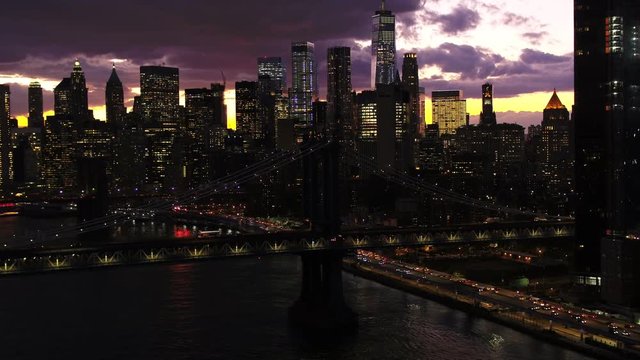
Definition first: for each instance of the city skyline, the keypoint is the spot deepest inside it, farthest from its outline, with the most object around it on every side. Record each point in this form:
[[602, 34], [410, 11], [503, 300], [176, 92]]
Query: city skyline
[[455, 49]]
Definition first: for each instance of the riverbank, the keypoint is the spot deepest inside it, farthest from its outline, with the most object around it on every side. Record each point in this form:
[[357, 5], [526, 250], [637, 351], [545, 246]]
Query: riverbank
[[538, 328]]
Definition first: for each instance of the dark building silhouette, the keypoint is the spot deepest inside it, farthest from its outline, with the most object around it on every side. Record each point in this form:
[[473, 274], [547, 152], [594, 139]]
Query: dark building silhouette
[[94, 201], [36, 114], [340, 122], [411, 82], [71, 96], [199, 109], [114, 99], [219, 108], [321, 124], [487, 116], [79, 92], [5, 140], [606, 113]]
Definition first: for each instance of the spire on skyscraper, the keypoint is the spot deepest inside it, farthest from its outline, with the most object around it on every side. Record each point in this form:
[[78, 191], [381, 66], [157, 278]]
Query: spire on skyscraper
[[114, 79]]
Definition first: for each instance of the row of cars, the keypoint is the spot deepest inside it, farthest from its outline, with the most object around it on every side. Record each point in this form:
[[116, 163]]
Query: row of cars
[[617, 329]]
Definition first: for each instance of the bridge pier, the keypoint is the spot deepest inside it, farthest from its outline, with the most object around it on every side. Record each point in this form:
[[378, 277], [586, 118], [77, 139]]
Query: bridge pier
[[321, 306]]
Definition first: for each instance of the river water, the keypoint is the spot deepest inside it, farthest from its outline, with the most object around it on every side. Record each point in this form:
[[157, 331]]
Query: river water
[[232, 309]]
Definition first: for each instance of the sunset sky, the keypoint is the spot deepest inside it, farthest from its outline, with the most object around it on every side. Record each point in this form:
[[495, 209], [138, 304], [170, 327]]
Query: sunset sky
[[524, 48]]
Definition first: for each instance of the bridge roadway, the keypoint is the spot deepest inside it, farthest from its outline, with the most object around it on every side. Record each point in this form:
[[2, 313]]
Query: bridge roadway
[[88, 255]]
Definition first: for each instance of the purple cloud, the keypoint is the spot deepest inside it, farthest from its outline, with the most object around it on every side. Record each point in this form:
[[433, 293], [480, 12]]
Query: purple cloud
[[538, 57], [461, 19]]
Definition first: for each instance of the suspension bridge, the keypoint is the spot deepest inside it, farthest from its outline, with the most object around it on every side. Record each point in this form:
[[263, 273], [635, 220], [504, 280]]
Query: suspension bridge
[[321, 247]]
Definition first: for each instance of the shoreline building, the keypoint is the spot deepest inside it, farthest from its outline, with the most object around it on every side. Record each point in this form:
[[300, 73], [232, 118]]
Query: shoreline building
[[606, 113]]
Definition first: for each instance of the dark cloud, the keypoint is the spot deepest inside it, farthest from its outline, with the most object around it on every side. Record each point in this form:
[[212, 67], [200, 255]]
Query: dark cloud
[[204, 37], [538, 57], [515, 19], [201, 37], [535, 37], [468, 61], [534, 71], [461, 19]]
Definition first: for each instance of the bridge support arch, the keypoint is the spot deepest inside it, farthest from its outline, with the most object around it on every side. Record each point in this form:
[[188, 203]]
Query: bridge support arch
[[321, 305]]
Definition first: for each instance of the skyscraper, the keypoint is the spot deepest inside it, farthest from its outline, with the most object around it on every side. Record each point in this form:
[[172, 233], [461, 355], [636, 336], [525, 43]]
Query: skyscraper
[[449, 110], [160, 110], [219, 108], [607, 109], [62, 98], [339, 95], [71, 96], [114, 99], [606, 113], [36, 116], [5, 139], [304, 87], [487, 116], [199, 107], [160, 94], [79, 92], [383, 47], [554, 163], [275, 69], [411, 82], [382, 115], [249, 123]]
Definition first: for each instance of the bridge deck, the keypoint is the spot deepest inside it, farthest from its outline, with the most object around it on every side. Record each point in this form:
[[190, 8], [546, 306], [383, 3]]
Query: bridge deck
[[19, 261]]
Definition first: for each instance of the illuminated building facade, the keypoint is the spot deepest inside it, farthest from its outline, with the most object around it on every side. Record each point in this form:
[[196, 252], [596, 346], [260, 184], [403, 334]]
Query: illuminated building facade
[[382, 117], [304, 87], [274, 68], [59, 154], [383, 47], [160, 94], [160, 110], [449, 110], [248, 122], [555, 153]]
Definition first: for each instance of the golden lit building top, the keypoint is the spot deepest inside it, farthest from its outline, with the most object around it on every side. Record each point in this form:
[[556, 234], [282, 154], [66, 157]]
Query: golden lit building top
[[555, 102]]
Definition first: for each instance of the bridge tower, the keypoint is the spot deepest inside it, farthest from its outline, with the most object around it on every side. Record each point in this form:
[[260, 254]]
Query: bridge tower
[[321, 305]]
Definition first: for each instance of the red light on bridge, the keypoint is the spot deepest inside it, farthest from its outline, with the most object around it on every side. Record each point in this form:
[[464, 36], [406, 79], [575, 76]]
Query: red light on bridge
[[180, 233]]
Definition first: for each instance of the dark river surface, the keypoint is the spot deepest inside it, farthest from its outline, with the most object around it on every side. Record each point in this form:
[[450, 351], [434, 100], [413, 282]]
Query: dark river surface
[[231, 309]]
